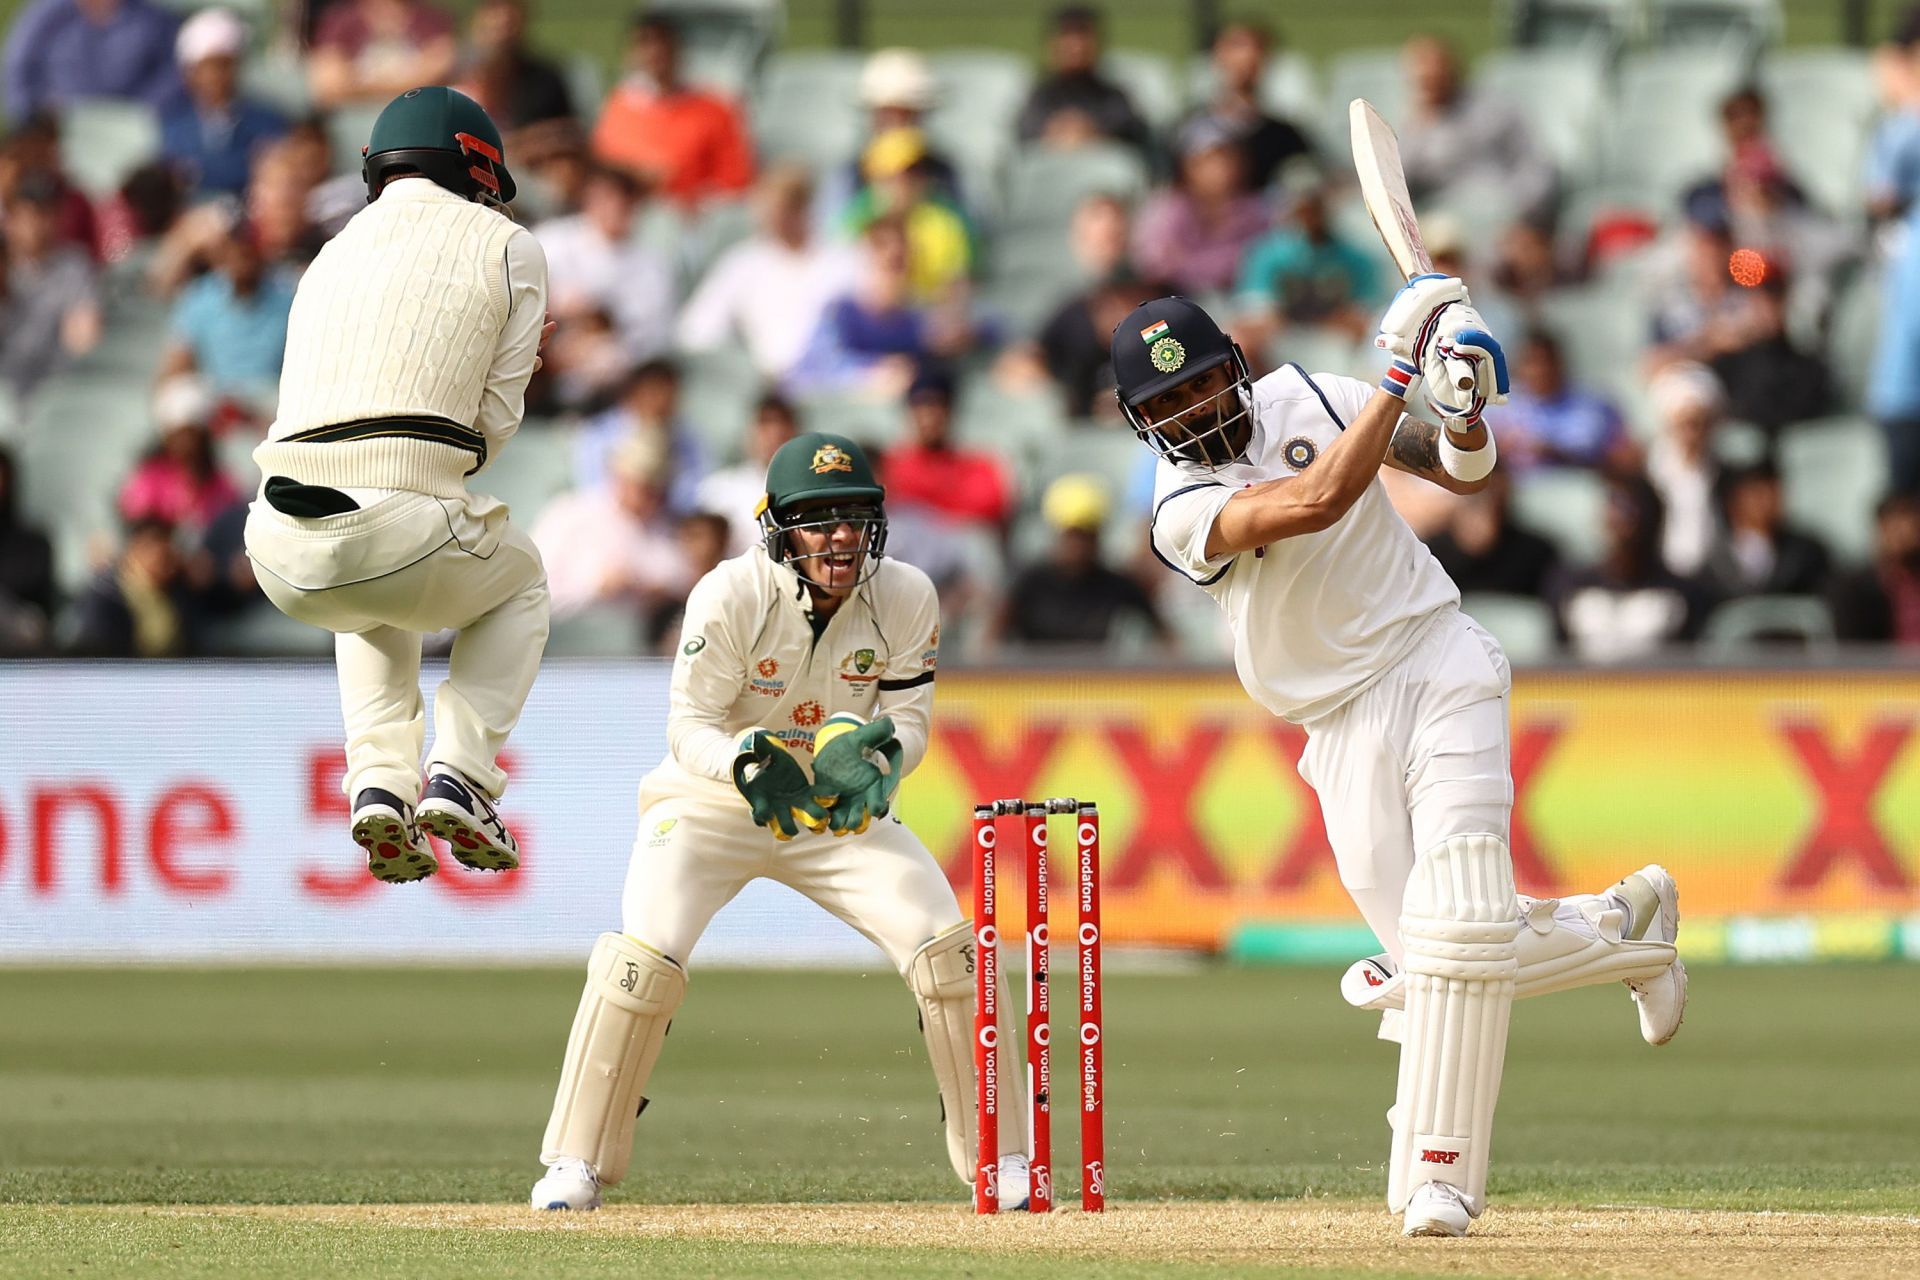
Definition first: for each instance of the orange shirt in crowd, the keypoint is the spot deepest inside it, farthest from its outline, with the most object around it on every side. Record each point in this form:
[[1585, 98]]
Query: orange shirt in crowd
[[693, 144]]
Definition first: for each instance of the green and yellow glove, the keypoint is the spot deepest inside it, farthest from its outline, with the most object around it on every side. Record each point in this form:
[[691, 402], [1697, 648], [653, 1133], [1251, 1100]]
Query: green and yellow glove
[[847, 777], [775, 787]]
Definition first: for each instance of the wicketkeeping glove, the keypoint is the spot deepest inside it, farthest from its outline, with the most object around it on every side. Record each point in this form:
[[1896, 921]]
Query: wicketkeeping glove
[[775, 787], [847, 775]]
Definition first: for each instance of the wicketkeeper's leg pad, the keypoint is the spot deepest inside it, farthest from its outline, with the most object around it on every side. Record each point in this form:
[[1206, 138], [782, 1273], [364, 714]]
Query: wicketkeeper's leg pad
[[941, 976], [1459, 927], [1563, 944], [631, 994]]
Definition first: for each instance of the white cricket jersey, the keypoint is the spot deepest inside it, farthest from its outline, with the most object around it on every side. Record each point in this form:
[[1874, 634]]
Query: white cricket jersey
[[1316, 617], [749, 658]]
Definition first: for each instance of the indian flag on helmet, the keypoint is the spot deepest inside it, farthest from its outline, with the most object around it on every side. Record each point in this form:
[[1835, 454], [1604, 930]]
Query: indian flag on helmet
[[1155, 330]]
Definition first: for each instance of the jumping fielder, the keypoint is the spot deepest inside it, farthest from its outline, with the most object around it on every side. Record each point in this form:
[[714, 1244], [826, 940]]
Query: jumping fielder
[[802, 694], [409, 347], [1268, 496]]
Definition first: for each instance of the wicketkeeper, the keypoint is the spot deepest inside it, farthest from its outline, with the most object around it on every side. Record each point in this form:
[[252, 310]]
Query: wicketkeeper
[[802, 695], [409, 347]]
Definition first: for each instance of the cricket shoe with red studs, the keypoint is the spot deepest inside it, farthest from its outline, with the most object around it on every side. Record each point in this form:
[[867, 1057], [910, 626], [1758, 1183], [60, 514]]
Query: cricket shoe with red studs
[[383, 825], [460, 813]]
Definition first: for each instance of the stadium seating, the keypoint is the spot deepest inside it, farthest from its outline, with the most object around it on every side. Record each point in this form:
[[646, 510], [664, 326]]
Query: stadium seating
[[724, 41], [1044, 184], [596, 632], [718, 389], [102, 140], [1373, 74], [1852, 335], [1603, 332], [1523, 626], [1150, 81], [278, 78], [1603, 26], [538, 467], [1562, 90], [1565, 506], [81, 436], [980, 92], [348, 128], [1745, 26], [807, 107], [1835, 470], [1662, 131], [1736, 628], [1821, 103]]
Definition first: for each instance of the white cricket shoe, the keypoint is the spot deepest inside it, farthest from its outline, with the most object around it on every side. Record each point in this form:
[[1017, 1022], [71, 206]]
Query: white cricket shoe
[[1662, 999], [460, 813], [1014, 1181], [567, 1184], [1436, 1210]]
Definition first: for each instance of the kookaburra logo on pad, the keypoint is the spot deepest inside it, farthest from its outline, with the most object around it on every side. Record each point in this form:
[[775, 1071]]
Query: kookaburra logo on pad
[[830, 457]]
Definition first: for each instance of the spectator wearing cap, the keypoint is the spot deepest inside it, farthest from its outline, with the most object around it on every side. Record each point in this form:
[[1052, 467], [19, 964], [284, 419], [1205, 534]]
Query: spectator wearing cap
[[26, 570], [140, 605], [1628, 604], [963, 488], [1073, 103], [691, 144], [872, 338], [63, 50], [1550, 421], [648, 409], [1195, 233], [1304, 272], [1483, 550], [1071, 597], [768, 291], [517, 86], [613, 543], [49, 306], [1757, 552], [595, 264], [734, 493], [1458, 142], [179, 481], [211, 133], [1239, 61], [940, 242], [1770, 381], [230, 325], [369, 50], [1880, 604], [1690, 405], [898, 89]]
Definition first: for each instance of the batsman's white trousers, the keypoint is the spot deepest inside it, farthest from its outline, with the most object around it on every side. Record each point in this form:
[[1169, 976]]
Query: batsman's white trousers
[[695, 851], [1418, 756], [381, 577]]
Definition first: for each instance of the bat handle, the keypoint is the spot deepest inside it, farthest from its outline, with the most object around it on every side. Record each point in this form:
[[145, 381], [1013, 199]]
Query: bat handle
[[1459, 372]]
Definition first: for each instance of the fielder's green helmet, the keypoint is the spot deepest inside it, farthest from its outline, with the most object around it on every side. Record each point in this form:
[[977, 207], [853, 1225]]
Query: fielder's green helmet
[[819, 480], [443, 134]]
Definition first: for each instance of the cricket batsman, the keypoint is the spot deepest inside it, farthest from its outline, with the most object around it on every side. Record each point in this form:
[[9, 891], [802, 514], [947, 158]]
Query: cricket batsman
[[409, 346], [1268, 496], [802, 694]]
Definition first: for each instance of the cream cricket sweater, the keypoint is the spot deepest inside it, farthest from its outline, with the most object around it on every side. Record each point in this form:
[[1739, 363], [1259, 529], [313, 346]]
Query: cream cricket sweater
[[426, 308]]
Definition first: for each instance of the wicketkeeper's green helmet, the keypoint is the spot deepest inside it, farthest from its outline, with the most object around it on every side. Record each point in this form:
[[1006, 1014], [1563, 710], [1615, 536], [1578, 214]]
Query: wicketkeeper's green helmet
[[444, 135], [818, 480]]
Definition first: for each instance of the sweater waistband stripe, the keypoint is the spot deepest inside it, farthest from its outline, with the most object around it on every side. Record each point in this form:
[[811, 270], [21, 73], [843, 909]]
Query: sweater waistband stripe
[[436, 430]]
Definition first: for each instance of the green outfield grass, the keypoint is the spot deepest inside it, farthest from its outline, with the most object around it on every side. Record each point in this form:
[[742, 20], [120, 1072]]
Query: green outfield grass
[[1789, 1089]]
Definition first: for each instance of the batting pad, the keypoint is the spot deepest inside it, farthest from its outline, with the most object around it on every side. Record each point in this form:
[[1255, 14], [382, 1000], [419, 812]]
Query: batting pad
[[941, 975], [630, 997], [1563, 945], [1459, 929]]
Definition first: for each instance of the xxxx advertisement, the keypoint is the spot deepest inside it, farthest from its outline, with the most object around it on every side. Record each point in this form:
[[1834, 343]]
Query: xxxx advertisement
[[1765, 794]]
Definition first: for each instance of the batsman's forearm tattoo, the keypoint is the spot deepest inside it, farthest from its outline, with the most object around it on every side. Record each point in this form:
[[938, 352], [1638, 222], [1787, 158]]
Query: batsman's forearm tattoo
[[1416, 445]]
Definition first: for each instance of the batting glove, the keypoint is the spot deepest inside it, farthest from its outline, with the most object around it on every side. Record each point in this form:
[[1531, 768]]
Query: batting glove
[[1463, 346], [1407, 329]]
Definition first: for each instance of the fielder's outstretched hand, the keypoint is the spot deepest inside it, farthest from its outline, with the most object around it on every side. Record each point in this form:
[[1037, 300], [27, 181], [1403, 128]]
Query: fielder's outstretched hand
[[775, 787], [847, 773]]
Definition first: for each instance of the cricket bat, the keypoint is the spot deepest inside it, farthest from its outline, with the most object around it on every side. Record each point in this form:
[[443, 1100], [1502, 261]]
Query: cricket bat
[[1383, 185]]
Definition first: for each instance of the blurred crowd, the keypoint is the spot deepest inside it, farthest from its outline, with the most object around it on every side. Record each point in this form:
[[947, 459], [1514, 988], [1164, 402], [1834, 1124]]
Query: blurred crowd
[[716, 295]]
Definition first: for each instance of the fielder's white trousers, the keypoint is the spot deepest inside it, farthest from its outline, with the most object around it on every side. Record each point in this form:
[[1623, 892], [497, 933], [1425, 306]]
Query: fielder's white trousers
[[695, 850], [1416, 757], [381, 577]]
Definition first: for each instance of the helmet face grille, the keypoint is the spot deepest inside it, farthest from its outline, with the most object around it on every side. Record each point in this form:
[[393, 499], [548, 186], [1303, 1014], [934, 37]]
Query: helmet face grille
[[1210, 434], [868, 520]]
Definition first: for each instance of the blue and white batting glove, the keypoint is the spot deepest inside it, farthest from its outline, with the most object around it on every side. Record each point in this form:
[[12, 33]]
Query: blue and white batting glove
[[1462, 344], [1408, 328]]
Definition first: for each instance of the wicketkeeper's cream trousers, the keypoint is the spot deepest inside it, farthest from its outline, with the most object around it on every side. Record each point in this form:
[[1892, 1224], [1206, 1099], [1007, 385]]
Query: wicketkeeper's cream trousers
[[379, 579]]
